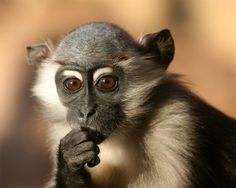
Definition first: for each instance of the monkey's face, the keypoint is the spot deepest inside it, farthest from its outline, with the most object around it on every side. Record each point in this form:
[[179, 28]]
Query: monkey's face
[[98, 77], [91, 93]]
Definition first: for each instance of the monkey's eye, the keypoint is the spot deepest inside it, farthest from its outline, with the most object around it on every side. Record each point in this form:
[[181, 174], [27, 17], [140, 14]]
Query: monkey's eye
[[108, 82], [72, 84]]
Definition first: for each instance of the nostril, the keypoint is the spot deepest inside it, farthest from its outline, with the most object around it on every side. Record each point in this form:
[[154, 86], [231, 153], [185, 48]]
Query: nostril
[[81, 114], [87, 112], [93, 111]]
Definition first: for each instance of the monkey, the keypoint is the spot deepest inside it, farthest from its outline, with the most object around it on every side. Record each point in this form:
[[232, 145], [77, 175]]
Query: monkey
[[119, 119]]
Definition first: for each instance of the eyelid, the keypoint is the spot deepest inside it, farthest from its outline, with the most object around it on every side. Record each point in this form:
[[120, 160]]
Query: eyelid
[[101, 71], [104, 75], [71, 73]]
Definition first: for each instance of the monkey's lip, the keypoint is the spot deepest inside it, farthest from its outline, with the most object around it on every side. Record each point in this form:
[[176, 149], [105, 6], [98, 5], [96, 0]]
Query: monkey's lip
[[96, 136]]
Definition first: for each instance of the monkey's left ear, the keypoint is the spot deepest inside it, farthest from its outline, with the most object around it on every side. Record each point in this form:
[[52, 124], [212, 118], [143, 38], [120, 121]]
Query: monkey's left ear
[[37, 53], [159, 46]]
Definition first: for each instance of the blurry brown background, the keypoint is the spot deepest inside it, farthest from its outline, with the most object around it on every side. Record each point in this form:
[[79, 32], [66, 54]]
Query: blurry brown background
[[205, 37]]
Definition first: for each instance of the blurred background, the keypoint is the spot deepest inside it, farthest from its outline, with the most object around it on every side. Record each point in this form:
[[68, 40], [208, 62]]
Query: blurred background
[[205, 38]]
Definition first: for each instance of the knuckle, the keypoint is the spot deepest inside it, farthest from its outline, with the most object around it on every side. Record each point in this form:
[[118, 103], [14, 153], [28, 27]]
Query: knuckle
[[92, 154], [90, 145], [72, 162], [62, 141], [84, 136], [66, 157], [87, 146], [73, 139]]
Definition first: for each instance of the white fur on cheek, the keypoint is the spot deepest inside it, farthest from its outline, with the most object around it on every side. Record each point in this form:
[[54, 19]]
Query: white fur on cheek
[[45, 90]]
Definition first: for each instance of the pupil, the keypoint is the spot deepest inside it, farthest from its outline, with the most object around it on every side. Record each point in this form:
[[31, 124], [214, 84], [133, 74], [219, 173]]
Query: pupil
[[106, 81], [73, 84]]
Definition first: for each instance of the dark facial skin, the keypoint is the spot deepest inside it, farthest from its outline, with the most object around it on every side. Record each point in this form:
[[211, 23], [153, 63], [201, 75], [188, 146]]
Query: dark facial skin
[[92, 104]]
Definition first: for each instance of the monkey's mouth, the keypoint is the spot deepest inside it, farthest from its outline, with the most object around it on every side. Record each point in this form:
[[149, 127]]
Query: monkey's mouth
[[96, 136]]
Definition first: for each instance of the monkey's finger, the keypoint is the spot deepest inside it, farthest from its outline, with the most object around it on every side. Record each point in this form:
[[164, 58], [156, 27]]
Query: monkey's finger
[[94, 162], [85, 147], [74, 138]]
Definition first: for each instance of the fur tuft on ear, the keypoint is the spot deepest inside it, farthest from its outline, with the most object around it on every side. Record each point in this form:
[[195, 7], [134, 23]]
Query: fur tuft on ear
[[38, 52], [160, 46]]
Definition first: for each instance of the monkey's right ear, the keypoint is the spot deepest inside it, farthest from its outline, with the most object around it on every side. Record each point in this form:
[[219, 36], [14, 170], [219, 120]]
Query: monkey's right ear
[[37, 53], [159, 46]]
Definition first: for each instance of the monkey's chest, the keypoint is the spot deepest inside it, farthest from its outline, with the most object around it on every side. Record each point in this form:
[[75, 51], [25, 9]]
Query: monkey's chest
[[114, 169]]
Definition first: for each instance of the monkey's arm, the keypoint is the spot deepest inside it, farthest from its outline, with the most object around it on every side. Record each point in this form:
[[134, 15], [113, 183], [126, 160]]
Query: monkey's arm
[[75, 150]]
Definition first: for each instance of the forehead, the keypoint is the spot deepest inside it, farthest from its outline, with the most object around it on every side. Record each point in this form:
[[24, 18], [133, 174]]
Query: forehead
[[94, 43]]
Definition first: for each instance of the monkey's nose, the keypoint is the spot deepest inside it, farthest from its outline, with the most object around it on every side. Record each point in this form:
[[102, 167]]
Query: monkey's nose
[[86, 113]]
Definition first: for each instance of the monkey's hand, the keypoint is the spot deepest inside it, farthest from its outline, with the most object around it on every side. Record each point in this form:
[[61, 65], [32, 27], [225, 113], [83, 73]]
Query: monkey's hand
[[75, 150]]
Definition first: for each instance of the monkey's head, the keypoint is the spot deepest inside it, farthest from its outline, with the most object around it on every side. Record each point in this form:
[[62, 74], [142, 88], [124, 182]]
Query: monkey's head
[[98, 77]]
